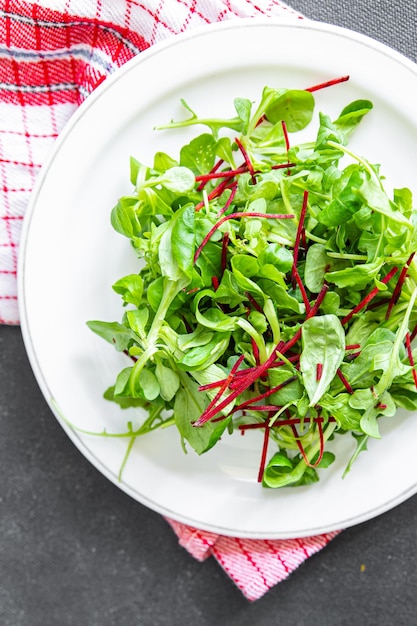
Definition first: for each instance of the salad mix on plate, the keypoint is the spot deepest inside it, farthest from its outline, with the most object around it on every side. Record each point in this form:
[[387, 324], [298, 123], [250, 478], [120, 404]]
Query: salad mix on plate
[[275, 288]]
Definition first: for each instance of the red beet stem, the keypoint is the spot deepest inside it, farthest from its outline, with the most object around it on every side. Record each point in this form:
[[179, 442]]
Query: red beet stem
[[328, 83], [229, 201], [233, 216], [302, 289], [286, 422], [300, 228], [225, 243], [369, 297], [319, 371], [286, 138], [344, 380], [246, 158], [223, 174], [264, 454], [398, 287], [212, 171], [251, 403], [410, 357]]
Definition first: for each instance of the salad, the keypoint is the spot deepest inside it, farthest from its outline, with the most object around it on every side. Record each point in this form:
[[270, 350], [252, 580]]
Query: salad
[[275, 288]]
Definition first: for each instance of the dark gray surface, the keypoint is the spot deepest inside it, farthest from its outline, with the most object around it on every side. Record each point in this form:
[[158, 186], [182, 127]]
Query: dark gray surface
[[75, 550]]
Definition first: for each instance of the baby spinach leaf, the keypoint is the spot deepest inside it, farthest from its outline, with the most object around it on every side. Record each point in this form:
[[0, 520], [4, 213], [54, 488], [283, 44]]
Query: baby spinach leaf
[[357, 276], [201, 357], [188, 406], [130, 288], [278, 256], [294, 106], [198, 156], [183, 239], [115, 333], [168, 380], [323, 347]]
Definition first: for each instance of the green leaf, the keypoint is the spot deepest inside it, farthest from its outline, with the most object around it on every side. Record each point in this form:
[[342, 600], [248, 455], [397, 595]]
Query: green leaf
[[138, 320], [351, 116], [323, 346], [199, 337], [214, 318], [339, 406], [183, 239], [375, 197], [290, 392], [162, 162], [198, 156], [243, 108], [123, 402], [345, 201], [280, 297], [175, 255], [317, 263], [201, 357], [178, 178], [115, 333], [168, 380], [188, 406], [361, 443], [123, 216], [130, 288], [295, 107], [278, 256], [356, 277], [149, 384]]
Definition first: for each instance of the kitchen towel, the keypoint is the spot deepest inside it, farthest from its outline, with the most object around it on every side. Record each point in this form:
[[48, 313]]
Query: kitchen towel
[[53, 54]]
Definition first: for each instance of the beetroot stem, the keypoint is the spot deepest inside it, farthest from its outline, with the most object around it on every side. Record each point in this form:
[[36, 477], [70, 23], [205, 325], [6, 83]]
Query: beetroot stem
[[410, 357], [280, 423], [328, 83], [224, 174], [300, 228], [344, 380], [319, 422], [212, 171], [264, 453], [255, 373], [215, 193], [225, 243], [285, 132], [319, 371], [229, 201], [397, 290], [233, 216], [299, 444], [225, 384], [253, 302], [302, 289], [371, 295], [246, 158], [251, 402]]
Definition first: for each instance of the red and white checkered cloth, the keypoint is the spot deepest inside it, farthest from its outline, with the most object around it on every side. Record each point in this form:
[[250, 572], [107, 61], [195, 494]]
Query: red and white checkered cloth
[[53, 53]]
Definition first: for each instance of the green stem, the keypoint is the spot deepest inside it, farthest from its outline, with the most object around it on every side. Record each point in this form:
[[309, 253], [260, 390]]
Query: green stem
[[171, 288], [347, 255], [272, 318], [315, 238], [257, 337], [296, 474], [357, 158]]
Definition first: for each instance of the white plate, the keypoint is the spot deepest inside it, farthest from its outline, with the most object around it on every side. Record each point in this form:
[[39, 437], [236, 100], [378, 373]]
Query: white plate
[[70, 256]]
